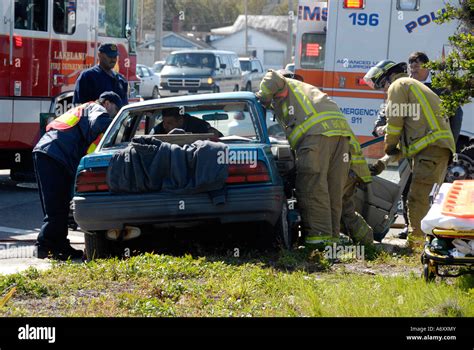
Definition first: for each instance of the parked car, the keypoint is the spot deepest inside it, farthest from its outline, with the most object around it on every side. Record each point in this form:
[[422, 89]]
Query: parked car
[[290, 67], [203, 71], [254, 194], [252, 73], [149, 82]]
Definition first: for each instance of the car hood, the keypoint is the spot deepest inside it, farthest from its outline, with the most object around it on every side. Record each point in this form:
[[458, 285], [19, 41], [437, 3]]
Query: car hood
[[173, 71]]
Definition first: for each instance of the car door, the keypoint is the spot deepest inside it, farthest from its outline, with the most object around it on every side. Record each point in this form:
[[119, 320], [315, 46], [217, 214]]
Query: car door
[[147, 82], [220, 72], [378, 202]]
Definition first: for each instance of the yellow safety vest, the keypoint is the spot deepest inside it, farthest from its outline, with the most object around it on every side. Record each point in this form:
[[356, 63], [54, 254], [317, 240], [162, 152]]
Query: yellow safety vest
[[69, 119]]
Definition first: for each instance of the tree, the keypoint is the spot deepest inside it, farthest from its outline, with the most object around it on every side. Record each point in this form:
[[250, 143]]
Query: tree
[[455, 72]]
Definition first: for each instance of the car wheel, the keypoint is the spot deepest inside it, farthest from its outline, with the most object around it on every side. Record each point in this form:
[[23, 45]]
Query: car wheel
[[97, 246], [216, 89], [155, 93], [462, 168], [248, 87]]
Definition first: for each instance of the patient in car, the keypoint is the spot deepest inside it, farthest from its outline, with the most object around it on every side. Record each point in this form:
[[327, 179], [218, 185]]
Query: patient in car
[[174, 119]]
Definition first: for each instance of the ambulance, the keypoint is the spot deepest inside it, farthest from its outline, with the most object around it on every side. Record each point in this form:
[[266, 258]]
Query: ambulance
[[338, 41]]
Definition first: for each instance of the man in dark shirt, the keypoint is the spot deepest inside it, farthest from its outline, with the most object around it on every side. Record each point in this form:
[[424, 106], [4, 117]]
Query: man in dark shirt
[[100, 78], [56, 156], [173, 119]]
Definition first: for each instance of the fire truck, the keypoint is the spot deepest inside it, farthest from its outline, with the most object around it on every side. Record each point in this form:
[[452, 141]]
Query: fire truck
[[45, 44], [338, 41]]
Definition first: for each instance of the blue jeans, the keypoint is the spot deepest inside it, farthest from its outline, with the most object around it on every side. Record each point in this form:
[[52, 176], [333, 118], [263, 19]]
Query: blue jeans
[[55, 190]]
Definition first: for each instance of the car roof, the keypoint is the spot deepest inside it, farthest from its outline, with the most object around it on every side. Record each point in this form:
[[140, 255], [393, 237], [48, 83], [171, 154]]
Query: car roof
[[240, 95], [205, 51]]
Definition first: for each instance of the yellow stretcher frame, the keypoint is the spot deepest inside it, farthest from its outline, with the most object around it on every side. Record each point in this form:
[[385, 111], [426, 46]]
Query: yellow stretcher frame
[[431, 260]]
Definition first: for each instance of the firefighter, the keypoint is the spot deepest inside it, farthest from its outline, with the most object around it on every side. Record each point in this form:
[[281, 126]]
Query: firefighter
[[416, 60], [319, 134], [56, 157], [415, 130], [94, 81], [359, 176]]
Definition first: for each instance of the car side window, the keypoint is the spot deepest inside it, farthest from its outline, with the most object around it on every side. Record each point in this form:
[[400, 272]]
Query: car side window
[[145, 72], [255, 66]]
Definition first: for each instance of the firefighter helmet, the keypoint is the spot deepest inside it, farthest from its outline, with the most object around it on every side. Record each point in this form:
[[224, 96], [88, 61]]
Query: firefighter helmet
[[378, 75]]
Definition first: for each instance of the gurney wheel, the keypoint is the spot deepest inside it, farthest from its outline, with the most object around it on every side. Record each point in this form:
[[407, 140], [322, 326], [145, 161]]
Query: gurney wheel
[[430, 270]]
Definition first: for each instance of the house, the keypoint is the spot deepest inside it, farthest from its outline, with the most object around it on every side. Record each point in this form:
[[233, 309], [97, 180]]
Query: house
[[267, 38]]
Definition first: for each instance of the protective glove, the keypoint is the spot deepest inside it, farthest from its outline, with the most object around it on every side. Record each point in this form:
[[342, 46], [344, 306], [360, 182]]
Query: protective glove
[[377, 168], [392, 150]]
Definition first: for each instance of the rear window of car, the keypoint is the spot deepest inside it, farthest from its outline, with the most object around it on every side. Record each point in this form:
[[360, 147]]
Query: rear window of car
[[234, 120]]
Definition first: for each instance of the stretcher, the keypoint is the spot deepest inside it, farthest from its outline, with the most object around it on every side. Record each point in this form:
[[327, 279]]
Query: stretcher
[[449, 229]]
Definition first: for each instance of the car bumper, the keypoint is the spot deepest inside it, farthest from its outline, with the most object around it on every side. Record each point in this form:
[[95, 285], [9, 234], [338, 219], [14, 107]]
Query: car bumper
[[104, 212]]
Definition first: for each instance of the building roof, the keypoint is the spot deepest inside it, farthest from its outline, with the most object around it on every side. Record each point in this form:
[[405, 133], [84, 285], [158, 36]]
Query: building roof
[[279, 36], [180, 40], [267, 23]]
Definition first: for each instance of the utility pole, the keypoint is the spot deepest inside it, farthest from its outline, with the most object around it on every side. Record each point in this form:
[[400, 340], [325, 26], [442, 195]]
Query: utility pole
[[141, 39], [246, 30], [289, 45], [158, 28]]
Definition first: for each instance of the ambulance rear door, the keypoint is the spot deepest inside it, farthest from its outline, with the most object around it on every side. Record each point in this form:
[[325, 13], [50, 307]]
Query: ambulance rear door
[[358, 38]]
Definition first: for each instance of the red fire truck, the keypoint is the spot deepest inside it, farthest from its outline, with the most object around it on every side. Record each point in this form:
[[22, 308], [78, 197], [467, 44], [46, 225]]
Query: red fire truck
[[44, 45]]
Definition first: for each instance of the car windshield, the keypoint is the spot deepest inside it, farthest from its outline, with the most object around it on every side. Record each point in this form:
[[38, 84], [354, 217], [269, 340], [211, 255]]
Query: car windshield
[[191, 60], [245, 66], [230, 120]]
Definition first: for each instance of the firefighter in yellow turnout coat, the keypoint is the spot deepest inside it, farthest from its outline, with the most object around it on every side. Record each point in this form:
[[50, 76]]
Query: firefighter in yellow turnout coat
[[325, 150], [415, 130]]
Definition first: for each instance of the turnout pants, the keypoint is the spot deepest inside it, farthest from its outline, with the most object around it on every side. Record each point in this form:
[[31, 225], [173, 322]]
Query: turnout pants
[[429, 168], [55, 190], [322, 165]]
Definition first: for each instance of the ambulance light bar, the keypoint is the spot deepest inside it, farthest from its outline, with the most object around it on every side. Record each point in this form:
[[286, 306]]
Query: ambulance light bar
[[354, 4]]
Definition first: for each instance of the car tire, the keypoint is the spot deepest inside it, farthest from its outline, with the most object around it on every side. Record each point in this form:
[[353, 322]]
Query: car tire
[[97, 246], [248, 87], [216, 89], [156, 93]]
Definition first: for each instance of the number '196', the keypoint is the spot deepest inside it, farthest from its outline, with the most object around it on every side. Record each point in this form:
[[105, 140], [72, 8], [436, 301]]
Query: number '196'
[[362, 19]]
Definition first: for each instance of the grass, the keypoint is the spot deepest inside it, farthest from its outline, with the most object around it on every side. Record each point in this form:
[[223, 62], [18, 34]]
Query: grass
[[298, 283]]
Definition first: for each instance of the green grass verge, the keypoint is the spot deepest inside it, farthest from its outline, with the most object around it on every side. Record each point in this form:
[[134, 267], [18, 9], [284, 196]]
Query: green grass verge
[[288, 284]]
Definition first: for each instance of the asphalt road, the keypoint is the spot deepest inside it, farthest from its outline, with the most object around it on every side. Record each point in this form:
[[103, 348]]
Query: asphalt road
[[20, 221], [21, 218]]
